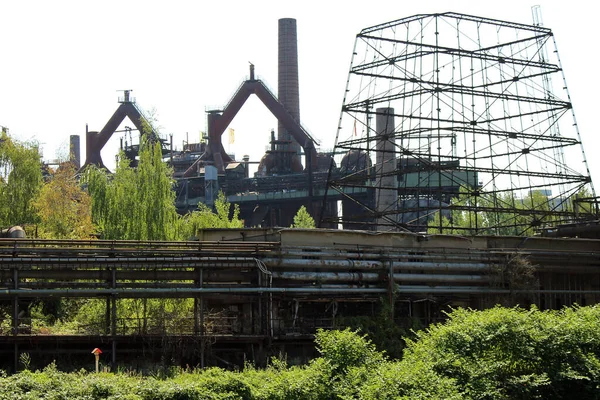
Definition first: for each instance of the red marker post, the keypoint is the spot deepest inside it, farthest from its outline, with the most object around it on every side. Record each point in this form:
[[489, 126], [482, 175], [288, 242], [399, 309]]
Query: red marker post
[[96, 352]]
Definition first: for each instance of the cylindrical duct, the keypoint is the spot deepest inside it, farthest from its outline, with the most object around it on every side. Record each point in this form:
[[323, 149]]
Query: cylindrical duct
[[288, 92], [74, 151], [385, 165]]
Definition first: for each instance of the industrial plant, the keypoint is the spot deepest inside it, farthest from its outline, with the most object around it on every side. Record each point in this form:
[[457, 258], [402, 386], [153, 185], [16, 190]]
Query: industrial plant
[[458, 172], [442, 114]]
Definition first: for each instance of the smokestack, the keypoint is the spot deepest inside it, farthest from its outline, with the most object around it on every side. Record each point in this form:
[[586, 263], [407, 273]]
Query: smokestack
[[287, 89], [74, 150], [386, 182]]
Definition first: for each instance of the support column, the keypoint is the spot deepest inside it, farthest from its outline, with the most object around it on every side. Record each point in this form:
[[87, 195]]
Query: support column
[[113, 328], [202, 332], [386, 183], [391, 287], [107, 312], [196, 322], [15, 319]]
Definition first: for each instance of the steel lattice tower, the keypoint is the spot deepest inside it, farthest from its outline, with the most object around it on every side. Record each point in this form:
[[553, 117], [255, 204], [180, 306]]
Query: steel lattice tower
[[450, 123]]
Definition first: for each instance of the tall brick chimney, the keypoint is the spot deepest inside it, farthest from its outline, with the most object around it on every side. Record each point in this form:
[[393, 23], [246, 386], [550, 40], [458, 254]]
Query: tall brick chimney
[[287, 89]]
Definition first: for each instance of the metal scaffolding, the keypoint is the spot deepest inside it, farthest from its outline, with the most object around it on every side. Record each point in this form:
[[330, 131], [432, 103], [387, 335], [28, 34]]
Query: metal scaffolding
[[452, 123]]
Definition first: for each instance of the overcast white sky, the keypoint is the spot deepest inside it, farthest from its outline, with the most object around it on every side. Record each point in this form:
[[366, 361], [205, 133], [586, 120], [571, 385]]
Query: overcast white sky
[[62, 62]]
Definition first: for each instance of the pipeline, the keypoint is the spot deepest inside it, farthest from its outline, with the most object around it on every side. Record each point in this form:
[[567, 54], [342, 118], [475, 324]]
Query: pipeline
[[348, 290], [182, 292], [359, 264], [405, 289], [374, 277], [590, 262], [431, 253], [129, 261], [14, 232]]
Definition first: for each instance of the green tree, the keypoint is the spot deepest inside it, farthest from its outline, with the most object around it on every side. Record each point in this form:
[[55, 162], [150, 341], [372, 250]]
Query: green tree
[[20, 181], [224, 215], [302, 219], [63, 208], [472, 212], [134, 204]]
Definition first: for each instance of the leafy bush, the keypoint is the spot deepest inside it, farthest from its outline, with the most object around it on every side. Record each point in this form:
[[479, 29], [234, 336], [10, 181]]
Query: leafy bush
[[346, 349], [383, 331], [514, 353], [494, 354]]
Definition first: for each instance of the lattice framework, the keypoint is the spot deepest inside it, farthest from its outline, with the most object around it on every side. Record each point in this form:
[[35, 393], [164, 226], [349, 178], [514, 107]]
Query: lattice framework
[[482, 143]]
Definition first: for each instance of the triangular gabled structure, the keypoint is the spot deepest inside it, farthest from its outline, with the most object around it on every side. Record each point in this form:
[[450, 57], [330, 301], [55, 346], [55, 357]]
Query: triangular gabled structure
[[218, 121], [95, 141]]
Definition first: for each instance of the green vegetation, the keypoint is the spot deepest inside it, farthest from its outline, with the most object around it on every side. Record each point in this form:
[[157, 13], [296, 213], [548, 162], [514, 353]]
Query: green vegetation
[[204, 218], [500, 353], [63, 207], [382, 330], [131, 204], [134, 204], [503, 213], [139, 204], [20, 181], [302, 219]]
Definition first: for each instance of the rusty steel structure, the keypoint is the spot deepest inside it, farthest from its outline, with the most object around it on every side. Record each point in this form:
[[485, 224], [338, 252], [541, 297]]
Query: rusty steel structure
[[95, 141], [219, 120], [290, 175], [257, 292], [460, 124]]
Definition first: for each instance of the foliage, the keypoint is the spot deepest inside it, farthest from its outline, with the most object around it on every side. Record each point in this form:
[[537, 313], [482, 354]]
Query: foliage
[[134, 204], [516, 274], [20, 181], [63, 208], [473, 212], [139, 204], [346, 349], [205, 218], [138, 316], [398, 380], [382, 330], [280, 382], [302, 219], [512, 353], [350, 358], [500, 353]]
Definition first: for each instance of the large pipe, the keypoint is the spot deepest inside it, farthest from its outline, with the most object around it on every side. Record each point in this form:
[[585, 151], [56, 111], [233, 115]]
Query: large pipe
[[405, 289], [390, 255], [15, 232], [130, 261], [360, 264], [345, 290], [285, 263], [426, 252], [180, 292], [126, 274], [157, 277], [374, 277]]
